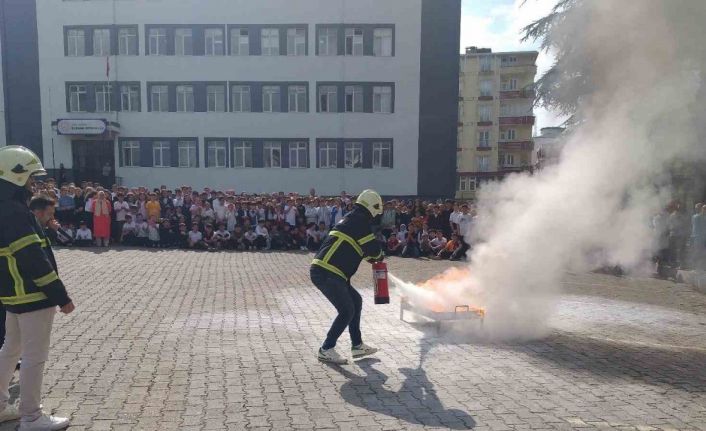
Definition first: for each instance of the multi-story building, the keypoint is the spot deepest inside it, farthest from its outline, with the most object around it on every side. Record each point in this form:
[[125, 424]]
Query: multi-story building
[[259, 96], [495, 116], [548, 146]]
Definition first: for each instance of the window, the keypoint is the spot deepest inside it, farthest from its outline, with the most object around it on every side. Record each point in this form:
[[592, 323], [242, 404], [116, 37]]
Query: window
[[131, 153], [214, 41], [158, 41], [467, 184], [382, 42], [486, 88], [77, 98], [103, 97], [382, 100], [353, 155], [101, 42], [298, 155], [187, 154], [240, 98], [239, 41], [296, 41], [183, 41], [484, 138], [159, 98], [328, 155], [185, 98], [328, 98], [483, 163], [484, 113], [328, 41], [129, 98], [216, 152], [242, 154], [510, 85], [297, 98], [354, 98], [508, 135], [76, 42], [508, 61], [215, 98], [161, 151], [270, 41], [127, 41], [486, 63], [354, 41], [509, 160], [460, 109], [272, 155], [382, 154], [271, 99]]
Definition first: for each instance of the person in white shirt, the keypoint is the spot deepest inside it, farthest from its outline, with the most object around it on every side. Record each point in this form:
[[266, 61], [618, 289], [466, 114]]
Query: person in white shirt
[[84, 237], [222, 237], [438, 242], [323, 213], [128, 233], [178, 199], [231, 218], [453, 218], [142, 233], [196, 238], [207, 213], [219, 210], [263, 236], [291, 214], [249, 239], [464, 221]]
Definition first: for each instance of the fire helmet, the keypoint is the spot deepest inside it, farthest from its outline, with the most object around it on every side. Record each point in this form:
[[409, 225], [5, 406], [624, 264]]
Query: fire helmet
[[370, 200], [18, 164]]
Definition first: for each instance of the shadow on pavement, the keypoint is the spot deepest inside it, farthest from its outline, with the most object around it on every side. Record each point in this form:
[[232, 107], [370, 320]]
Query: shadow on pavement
[[678, 367], [415, 402]]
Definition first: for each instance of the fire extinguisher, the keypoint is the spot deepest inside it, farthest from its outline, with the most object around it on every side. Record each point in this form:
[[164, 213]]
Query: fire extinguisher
[[382, 293]]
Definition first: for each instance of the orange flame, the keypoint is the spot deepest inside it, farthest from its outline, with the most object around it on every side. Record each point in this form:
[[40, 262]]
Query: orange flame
[[447, 285]]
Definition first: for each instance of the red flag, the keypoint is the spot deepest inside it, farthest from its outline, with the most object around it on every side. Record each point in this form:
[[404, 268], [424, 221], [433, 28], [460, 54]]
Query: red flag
[[107, 67]]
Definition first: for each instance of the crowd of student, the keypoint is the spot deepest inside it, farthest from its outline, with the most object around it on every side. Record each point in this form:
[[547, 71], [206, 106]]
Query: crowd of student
[[223, 220]]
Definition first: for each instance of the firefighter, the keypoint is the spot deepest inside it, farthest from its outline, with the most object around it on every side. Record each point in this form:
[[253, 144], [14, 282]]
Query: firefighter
[[349, 242], [30, 291]]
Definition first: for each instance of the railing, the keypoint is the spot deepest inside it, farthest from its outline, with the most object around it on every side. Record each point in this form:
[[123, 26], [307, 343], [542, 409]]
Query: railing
[[513, 120], [516, 145], [516, 94]]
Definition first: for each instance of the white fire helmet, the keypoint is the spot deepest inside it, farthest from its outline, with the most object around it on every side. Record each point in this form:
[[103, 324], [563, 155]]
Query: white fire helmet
[[18, 164], [371, 200]]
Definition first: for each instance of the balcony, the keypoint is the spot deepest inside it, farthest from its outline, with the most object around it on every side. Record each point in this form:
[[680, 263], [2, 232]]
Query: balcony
[[518, 68], [485, 97], [484, 70], [484, 148], [516, 145], [484, 123], [516, 94], [514, 168], [517, 121]]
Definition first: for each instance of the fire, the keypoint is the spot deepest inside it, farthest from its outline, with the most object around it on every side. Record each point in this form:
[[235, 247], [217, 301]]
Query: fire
[[447, 290]]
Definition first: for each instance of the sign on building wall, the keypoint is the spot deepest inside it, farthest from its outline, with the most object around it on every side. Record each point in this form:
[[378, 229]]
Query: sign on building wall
[[81, 127]]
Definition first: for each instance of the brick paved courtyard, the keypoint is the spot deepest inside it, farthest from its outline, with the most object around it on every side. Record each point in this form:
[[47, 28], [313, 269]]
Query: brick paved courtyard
[[172, 340]]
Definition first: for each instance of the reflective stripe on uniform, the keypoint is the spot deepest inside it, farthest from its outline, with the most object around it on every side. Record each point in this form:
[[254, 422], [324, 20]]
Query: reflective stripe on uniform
[[332, 250], [330, 267], [16, 277], [23, 299], [374, 257], [348, 239], [43, 281], [366, 239], [24, 242]]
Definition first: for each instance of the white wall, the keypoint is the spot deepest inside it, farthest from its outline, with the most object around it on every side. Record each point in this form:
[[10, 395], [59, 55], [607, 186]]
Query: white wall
[[403, 69]]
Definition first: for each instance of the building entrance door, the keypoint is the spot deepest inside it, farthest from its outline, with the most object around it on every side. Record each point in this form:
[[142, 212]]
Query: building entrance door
[[94, 161]]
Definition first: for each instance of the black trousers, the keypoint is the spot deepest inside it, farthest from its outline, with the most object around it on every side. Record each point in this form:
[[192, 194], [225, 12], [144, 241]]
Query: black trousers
[[347, 301]]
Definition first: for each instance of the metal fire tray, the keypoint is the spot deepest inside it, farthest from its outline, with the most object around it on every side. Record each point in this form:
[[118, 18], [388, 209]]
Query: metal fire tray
[[460, 313]]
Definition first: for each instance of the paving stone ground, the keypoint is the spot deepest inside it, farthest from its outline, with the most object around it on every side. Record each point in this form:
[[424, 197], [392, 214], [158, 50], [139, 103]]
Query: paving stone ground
[[175, 340]]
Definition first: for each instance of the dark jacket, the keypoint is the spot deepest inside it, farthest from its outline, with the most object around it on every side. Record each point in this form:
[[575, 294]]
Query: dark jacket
[[28, 274], [348, 243]]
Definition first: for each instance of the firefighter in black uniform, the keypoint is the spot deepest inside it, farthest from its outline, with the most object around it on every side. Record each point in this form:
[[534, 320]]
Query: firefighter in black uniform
[[30, 291], [349, 242]]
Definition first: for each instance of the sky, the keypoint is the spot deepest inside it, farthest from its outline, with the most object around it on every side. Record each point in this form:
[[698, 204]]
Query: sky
[[497, 24]]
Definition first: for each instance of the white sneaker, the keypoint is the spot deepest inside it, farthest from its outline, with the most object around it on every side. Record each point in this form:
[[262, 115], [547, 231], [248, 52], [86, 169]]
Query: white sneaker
[[45, 423], [9, 414], [303, 248], [331, 355], [362, 350]]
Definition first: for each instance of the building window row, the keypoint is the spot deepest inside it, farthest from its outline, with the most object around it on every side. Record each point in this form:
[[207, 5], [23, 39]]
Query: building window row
[[103, 96], [272, 97], [235, 40], [256, 153]]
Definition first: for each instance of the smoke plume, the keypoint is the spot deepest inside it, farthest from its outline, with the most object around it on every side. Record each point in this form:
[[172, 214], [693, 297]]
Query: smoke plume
[[645, 112]]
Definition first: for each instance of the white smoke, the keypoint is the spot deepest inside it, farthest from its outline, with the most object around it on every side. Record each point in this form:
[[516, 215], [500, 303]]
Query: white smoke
[[647, 58]]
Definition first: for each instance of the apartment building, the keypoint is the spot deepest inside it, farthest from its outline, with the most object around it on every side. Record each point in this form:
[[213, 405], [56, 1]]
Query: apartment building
[[548, 146], [257, 96], [496, 117]]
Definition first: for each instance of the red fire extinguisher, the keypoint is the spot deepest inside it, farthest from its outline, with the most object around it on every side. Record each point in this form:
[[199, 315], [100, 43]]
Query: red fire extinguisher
[[382, 293]]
